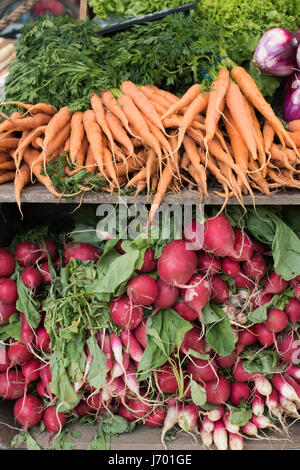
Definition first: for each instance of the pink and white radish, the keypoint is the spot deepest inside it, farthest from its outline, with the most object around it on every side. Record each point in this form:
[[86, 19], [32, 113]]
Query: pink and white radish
[[216, 414], [236, 441], [156, 418], [177, 264], [258, 404], [174, 409], [125, 314], [219, 236], [188, 417], [284, 388], [132, 346], [262, 385], [220, 436]]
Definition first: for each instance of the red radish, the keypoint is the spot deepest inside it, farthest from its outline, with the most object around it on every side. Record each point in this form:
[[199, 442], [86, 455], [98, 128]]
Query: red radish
[[156, 418], [140, 333], [288, 405], [219, 236], [255, 268], [28, 411], [116, 387], [27, 254], [31, 371], [264, 335], [277, 320], [131, 382], [197, 294], [209, 264], [292, 309], [174, 408], [117, 369], [125, 413], [293, 383], [82, 251], [105, 346], [8, 291], [230, 267], [262, 385], [294, 371], [12, 384], [226, 361], [217, 390], [176, 264], [142, 290], [295, 281], [45, 273], [207, 424], [138, 408], [46, 377], [236, 441], [275, 284], [53, 420], [149, 264], [132, 345], [83, 409], [4, 360], [258, 404], [246, 338], [206, 437], [167, 382], [202, 370], [119, 248], [261, 422], [42, 340], [258, 247], [18, 353], [260, 300], [231, 428], [41, 390], [124, 314], [6, 310], [219, 290], [27, 332], [7, 263], [239, 392], [220, 436], [242, 281], [288, 348], [284, 388], [184, 311], [240, 375], [46, 247], [250, 429], [193, 340], [297, 291], [272, 400], [242, 245], [188, 417], [216, 414], [193, 234], [166, 297]]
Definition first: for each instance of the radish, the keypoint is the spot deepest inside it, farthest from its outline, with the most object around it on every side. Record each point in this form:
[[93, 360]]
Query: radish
[[295, 281], [116, 346], [293, 383], [246, 338], [261, 422], [184, 311], [242, 281], [105, 346], [28, 411], [7, 263], [18, 353], [26, 253], [217, 390], [242, 245], [207, 425], [83, 409], [124, 314], [132, 345], [166, 297], [4, 361], [262, 385], [31, 371], [188, 417], [12, 384], [230, 267], [142, 290], [239, 392], [176, 264], [294, 372], [287, 347], [233, 428], [219, 236], [275, 284], [53, 420], [82, 251], [240, 375], [202, 370], [27, 332], [193, 234], [174, 408], [46, 247], [215, 415], [206, 437], [297, 291], [250, 429], [125, 413], [41, 390], [272, 400], [277, 320], [6, 311], [149, 265], [166, 380], [193, 340], [140, 333], [138, 408], [257, 404], [156, 418], [226, 361], [197, 294], [220, 436], [258, 247], [46, 377], [292, 310], [95, 400], [8, 291], [119, 248], [260, 300], [117, 369], [219, 290], [209, 264], [255, 268], [235, 441], [45, 273], [42, 340], [131, 382], [264, 335], [284, 388], [288, 406]]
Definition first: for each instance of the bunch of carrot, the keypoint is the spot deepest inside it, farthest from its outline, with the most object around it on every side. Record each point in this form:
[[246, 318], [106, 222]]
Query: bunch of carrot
[[149, 139]]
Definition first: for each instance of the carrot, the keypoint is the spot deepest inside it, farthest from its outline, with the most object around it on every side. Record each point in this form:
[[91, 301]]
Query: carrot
[[176, 121], [136, 119], [8, 165], [257, 177], [216, 103], [33, 160], [161, 139], [268, 135], [150, 168], [236, 105], [294, 126], [4, 157], [37, 143], [254, 95], [166, 94], [278, 154], [77, 135], [192, 153], [31, 122], [140, 187], [154, 183], [98, 108], [239, 148], [109, 166], [133, 163], [195, 174], [186, 99], [80, 157], [137, 178], [22, 178], [118, 131], [282, 179], [36, 108], [258, 136], [5, 125], [58, 122], [293, 137], [90, 163], [24, 143], [112, 105], [7, 177], [160, 109], [9, 143], [94, 136], [185, 161], [155, 97], [67, 145]]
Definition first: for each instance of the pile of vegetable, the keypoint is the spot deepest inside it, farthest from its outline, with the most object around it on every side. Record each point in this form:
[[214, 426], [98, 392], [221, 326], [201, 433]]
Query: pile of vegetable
[[190, 334], [148, 139], [131, 8]]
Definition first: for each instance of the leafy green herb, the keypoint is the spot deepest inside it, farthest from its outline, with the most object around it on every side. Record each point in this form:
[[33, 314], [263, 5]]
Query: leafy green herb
[[131, 7]]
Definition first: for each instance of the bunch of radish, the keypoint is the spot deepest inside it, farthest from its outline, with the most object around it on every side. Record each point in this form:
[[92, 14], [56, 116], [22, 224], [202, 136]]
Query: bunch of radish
[[185, 280]]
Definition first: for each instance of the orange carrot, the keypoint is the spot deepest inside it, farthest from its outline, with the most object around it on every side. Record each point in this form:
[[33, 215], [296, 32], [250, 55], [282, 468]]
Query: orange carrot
[[35, 163], [36, 108], [9, 143], [26, 141], [257, 177], [192, 153], [80, 157], [94, 136], [186, 99], [150, 168], [112, 105], [155, 97], [293, 137], [166, 94], [216, 103], [294, 126], [239, 148], [39, 119], [22, 178], [7, 177], [77, 135], [4, 157], [90, 162], [109, 166], [278, 154], [118, 131], [98, 108], [268, 135], [8, 165]]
